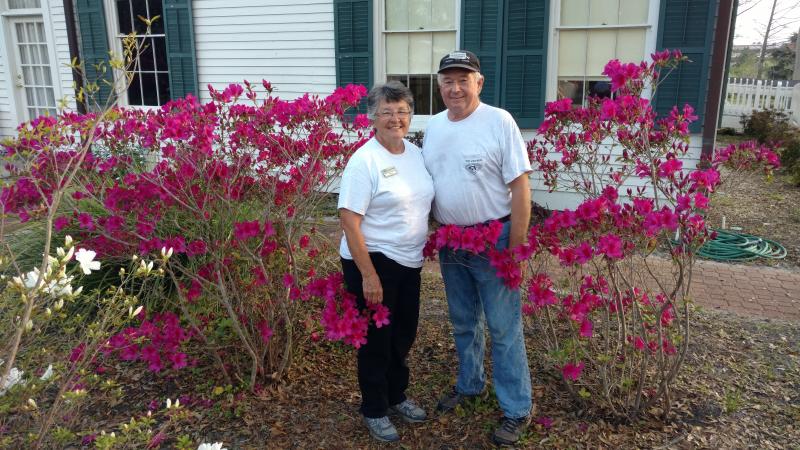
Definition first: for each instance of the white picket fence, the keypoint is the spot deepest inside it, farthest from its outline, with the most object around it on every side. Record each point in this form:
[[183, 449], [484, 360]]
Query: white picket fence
[[745, 95]]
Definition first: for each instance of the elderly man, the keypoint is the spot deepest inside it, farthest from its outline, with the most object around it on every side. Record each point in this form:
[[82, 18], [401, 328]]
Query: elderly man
[[479, 165]]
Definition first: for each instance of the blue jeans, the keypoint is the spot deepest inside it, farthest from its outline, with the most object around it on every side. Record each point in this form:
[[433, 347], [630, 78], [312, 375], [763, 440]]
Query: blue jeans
[[475, 294]]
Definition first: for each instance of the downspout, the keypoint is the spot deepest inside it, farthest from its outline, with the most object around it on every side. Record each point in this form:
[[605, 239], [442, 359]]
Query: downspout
[[716, 77], [74, 51]]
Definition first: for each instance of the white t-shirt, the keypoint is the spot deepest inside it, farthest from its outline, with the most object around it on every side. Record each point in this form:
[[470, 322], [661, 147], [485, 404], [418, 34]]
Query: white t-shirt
[[394, 194], [472, 161]]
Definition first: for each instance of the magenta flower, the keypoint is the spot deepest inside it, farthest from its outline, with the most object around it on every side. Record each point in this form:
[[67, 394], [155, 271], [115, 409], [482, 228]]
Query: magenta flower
[[246, 230], [572, 371], [381, 315]]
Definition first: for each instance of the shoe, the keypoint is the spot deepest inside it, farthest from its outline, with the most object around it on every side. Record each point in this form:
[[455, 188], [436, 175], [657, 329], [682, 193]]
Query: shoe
[[510, 430], [409, 411], [381, 428], [452, 399]]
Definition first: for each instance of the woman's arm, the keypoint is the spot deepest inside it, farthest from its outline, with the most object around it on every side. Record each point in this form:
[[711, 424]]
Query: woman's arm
[[351, 224]]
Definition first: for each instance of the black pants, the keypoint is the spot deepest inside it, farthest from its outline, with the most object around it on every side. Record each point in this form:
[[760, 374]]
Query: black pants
[[382, 370]]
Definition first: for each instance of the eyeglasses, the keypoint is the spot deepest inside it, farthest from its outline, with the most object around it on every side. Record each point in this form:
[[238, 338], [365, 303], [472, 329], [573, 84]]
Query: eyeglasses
[[389, 114]]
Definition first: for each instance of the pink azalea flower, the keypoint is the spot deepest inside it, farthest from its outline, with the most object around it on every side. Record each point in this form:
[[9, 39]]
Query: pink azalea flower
[[572, 371]]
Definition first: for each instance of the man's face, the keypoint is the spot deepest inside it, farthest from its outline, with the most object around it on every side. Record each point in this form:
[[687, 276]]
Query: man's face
[[460, 91]]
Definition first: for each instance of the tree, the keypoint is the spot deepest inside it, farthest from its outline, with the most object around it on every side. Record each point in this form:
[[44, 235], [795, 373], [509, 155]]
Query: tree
[[782, 60]]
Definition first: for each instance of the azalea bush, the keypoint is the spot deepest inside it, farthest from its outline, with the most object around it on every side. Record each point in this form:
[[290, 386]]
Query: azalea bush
[[229, 189], [608, 282]]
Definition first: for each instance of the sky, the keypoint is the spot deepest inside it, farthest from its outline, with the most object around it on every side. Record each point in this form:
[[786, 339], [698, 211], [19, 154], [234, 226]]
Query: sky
[[750, 25]]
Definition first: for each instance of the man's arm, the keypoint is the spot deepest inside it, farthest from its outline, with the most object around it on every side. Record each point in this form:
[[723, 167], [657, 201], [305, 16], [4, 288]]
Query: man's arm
[[520, 210]]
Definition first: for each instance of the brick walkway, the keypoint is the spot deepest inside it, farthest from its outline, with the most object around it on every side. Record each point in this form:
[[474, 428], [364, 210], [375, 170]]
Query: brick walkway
[[746, 290]]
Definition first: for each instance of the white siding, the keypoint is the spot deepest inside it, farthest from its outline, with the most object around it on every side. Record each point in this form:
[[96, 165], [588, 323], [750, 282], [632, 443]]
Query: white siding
[[6, 108], [564, 198], [290, 44], [61, 49]]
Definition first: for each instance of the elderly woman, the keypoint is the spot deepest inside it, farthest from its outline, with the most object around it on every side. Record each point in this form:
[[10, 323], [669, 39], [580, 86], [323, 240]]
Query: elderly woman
[[384, 202]]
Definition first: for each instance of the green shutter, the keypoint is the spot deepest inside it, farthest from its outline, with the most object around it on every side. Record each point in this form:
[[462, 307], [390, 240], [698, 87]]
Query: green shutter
[[688, 26], [353, 43], [481, 34], [94, 47], [525, 60], [181, 61]]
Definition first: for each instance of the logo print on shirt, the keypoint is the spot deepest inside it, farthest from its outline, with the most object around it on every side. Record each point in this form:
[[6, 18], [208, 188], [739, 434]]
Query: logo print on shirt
[[473, 166]]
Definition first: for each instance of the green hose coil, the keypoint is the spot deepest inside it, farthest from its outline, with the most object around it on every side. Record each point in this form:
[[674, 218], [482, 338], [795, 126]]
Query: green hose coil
[[728, 246]]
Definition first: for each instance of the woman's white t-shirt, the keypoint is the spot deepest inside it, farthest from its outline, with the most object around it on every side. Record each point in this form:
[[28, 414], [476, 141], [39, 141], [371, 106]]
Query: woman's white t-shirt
[[393, 192]]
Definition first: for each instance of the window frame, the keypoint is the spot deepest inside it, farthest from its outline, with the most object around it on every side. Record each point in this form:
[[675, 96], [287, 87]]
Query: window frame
[[651, 35], [114, 38], [418, 121]]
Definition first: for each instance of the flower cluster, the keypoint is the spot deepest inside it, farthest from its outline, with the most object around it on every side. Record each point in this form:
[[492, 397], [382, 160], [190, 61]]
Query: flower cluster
[[156, 342]]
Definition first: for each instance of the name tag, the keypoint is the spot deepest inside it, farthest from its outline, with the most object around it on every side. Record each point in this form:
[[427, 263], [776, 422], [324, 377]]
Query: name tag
[[389, 172]]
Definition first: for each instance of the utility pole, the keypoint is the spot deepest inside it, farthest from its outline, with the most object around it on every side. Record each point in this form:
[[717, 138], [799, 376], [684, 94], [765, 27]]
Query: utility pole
[[796, 72], [764, 43]]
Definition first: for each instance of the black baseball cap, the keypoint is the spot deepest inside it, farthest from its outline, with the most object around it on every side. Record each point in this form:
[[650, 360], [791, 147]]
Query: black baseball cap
[[460, 59]]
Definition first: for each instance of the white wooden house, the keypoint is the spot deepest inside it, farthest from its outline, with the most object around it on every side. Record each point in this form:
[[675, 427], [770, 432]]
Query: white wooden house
[[531, 51]]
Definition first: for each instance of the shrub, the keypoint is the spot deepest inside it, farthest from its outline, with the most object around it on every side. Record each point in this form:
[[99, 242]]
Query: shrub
[[767, 126], [615, 322], [229, 189]]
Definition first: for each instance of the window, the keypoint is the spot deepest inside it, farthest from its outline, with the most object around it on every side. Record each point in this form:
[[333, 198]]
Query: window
[[24, 4], [417, 34], [150, 83], [592, 32]]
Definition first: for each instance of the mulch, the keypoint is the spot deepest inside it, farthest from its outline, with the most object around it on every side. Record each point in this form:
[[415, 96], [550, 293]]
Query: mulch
[[740, 388]]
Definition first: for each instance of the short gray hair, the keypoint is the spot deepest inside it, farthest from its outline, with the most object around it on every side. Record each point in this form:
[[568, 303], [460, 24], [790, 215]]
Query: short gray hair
[[391, 92], [477, 76]]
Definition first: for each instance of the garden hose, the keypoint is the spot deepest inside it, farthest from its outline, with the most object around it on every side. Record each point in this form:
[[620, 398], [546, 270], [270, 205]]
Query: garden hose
[[732, 246]]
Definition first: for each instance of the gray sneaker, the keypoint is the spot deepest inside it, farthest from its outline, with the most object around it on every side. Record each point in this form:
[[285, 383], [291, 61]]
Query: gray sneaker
[[381, 428], [449, 401], [409, 411], [510, 430]]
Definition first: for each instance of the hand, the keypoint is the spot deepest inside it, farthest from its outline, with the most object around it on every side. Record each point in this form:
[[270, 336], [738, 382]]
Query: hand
[[373, 291]]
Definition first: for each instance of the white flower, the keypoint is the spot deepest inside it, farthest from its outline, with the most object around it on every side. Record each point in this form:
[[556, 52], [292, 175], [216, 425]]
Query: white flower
[[14, 378], [214, 446], [48, 373], [67, 241], [86, 260], [31, 278]]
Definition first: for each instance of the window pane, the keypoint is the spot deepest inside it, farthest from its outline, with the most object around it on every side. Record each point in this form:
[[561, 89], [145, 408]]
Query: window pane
[[438, 103], [443, 43], [603, 12], [602, 46], [572, 53], [420, 46], [163, 88], [124, 14], [599, 89], [571, 89], [135, 91], [156, 9], [633, 11], [40, 32], [149, 95], [396, 15], [574, 12], [139, 9], [145, 62], [42, 53], [27, 76], [443, 14], [23, 54], [48, 78], [21, 4], [421, 88], [633, 50], [160, 49], [419, 14], [397, 53], [51, 98]]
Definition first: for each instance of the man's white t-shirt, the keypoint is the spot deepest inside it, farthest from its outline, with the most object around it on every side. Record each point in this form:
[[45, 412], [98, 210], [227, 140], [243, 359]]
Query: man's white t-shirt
[[394, 194], [472, 161]]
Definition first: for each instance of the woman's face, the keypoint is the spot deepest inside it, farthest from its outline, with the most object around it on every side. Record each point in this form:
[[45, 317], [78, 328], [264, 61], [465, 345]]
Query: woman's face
[[392, 120]]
